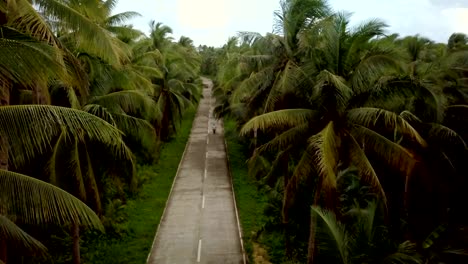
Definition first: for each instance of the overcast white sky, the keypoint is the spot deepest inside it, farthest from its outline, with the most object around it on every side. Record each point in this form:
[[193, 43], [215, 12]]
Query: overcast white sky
[[212, 22]]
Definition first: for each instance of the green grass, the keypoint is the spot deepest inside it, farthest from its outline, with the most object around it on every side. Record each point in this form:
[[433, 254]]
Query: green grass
[[250, 201], [144, 213]]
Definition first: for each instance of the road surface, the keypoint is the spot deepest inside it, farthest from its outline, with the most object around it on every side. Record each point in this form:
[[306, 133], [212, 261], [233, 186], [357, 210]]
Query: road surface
[[200, 222]]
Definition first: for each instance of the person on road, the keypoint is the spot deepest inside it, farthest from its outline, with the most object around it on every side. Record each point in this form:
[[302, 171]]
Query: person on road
[[213, 125]]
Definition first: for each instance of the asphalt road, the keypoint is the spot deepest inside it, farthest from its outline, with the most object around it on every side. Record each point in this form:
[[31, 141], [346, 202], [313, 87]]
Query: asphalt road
[[200, 224]]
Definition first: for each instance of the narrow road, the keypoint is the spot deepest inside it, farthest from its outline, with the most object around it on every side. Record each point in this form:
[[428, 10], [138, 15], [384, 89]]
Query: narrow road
[[200, 222]]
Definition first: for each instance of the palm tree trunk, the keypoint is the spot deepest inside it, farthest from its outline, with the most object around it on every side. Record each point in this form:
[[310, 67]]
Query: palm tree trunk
[[76, 243], [3, 251]]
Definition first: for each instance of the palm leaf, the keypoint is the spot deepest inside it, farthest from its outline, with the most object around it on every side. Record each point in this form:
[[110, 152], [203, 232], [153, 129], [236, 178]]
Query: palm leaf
[[368, 116], [359, 159], [131, 102], [16, 237], [31, 128], [136, 128], [289, 137], [100, 112], [279, 119], [27, 61], [388, 151], [26, 19], [120, 18], [336, 232], [256, 80], [446, 134], [372, 66], [326, 145], [91, 37], [38, 202]]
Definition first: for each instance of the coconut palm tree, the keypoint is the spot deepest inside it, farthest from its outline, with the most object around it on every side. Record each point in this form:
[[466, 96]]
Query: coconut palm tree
[[343, 124], [280, 59], [176, 87]]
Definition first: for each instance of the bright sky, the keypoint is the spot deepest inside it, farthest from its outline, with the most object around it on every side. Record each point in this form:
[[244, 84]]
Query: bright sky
[[212, 22]]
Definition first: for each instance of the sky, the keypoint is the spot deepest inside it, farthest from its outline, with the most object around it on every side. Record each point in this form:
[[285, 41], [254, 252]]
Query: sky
[[212, 22]]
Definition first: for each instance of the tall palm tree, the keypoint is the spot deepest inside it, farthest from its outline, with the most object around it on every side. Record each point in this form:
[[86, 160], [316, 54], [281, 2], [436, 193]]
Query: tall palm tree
[[176, 88], [343, 125], [280, 60]]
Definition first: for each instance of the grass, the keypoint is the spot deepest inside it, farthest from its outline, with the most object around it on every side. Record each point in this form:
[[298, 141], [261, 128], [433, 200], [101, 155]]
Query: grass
[[144, 213], [250, 201]]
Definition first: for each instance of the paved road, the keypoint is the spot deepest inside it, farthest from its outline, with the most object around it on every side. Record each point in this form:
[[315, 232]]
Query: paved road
[[200, 224]]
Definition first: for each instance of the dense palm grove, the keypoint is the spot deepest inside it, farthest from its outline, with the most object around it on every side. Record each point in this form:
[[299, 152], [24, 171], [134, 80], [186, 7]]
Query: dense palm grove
[[84, 98], [357, 137]]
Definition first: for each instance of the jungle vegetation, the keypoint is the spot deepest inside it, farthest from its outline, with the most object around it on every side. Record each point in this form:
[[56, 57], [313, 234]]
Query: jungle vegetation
[[356, 136]]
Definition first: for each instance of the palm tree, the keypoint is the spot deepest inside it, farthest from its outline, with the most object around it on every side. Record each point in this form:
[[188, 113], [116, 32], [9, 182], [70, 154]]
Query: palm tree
[[176, 88], [342, 126], [279, 61]]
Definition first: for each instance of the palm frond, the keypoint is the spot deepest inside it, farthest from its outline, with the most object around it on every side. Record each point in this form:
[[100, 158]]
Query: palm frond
[[137, 129], [148, 71], [27, 61], [388, 151], [31, 128], [326, 145], [26, 19], [100, 112], [17, 238], [282, 141], [360, 160], [90, 36], [279, 119], [131, 102], [255, 81], [336, 231], [374, 63], [446, 134], [371, 117], [37, 202], [120, 18]]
